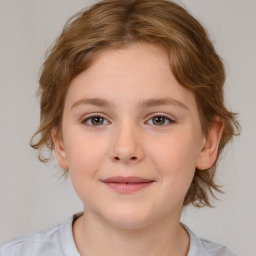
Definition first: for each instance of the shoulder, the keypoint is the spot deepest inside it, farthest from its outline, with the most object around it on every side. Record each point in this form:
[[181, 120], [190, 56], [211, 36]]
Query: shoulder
[[39, 243], [214, 249], [57, 241], [203, 247]]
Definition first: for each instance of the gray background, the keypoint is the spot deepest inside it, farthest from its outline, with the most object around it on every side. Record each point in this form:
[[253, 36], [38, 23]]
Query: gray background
[[32, 195]]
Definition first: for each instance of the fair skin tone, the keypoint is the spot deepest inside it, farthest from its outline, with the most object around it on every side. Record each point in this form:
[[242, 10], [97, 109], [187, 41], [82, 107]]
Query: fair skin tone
[[146, 125]]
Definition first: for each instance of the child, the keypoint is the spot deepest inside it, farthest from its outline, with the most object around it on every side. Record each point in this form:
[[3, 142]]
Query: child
[[132, 105]]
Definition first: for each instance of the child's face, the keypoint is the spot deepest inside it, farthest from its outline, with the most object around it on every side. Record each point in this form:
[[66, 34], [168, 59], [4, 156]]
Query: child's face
[[147, 126]]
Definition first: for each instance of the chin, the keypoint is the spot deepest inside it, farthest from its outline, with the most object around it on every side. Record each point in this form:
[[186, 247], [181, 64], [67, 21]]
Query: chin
[[130, 220]]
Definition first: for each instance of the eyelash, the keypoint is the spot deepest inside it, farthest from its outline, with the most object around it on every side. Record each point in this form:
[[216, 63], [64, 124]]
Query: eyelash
[[84, 121]]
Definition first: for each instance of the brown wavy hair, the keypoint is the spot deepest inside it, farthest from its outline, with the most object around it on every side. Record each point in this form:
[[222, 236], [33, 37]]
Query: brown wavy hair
[[114, 24]]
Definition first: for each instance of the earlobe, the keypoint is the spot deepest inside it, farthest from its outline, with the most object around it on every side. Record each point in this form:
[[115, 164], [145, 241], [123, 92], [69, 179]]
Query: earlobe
[[59, 149], [209, 151]]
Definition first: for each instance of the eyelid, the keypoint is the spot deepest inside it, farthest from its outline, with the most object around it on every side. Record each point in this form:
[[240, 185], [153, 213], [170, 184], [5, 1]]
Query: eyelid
[[167, 116], [87, 117]]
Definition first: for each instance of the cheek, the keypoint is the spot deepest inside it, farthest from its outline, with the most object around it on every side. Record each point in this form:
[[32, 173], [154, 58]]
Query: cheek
[[83, 151], [175, 159], [84, 158]]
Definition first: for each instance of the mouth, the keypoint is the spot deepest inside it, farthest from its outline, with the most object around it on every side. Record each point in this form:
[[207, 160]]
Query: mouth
[[126, 185]]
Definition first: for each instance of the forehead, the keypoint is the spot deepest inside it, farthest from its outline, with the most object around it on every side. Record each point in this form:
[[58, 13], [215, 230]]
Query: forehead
[[135, 49], [140, 70], [136, 60]]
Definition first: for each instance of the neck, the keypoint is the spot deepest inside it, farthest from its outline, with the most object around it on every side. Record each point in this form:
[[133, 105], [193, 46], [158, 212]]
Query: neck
[[94, 238]]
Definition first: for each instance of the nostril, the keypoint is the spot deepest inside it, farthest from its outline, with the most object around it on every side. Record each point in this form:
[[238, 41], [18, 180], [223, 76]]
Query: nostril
[[116, 158]]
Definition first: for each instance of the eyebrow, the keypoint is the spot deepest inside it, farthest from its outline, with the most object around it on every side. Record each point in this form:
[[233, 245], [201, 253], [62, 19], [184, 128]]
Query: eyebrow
[[162, 101], [93, 101], [144, 103]]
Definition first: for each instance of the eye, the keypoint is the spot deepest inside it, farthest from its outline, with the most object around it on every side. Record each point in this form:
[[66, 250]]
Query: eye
[[95, 120], [160, 120]]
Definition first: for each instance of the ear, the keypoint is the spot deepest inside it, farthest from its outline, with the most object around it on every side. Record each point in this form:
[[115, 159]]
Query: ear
[[59, 148], [210, 145]]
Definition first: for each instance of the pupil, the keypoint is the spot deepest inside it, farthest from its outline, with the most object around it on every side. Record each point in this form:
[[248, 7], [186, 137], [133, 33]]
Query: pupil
[[97, 120], [159, 120]]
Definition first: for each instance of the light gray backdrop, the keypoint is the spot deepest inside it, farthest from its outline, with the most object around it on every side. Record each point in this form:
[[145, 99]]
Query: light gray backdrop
[[32, 196]]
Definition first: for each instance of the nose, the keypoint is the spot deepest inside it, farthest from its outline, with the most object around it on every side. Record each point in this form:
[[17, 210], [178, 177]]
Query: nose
[[127, 145]]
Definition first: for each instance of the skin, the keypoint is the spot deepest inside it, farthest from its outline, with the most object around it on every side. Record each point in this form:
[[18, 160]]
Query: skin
[[129, 140]]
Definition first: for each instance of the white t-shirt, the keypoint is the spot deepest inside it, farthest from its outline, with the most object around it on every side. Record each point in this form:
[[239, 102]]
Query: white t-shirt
[[59, 241]]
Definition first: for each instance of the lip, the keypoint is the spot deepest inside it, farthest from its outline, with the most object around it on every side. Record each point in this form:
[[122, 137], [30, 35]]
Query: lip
[[127, 184], [130, 179]]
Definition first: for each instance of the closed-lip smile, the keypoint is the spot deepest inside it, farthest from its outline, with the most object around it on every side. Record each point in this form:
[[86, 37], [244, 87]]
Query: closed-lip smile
[[127, 184]]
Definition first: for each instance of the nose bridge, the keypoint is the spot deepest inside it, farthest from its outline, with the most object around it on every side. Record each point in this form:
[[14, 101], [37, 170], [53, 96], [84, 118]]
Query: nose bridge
[[127, 142]]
